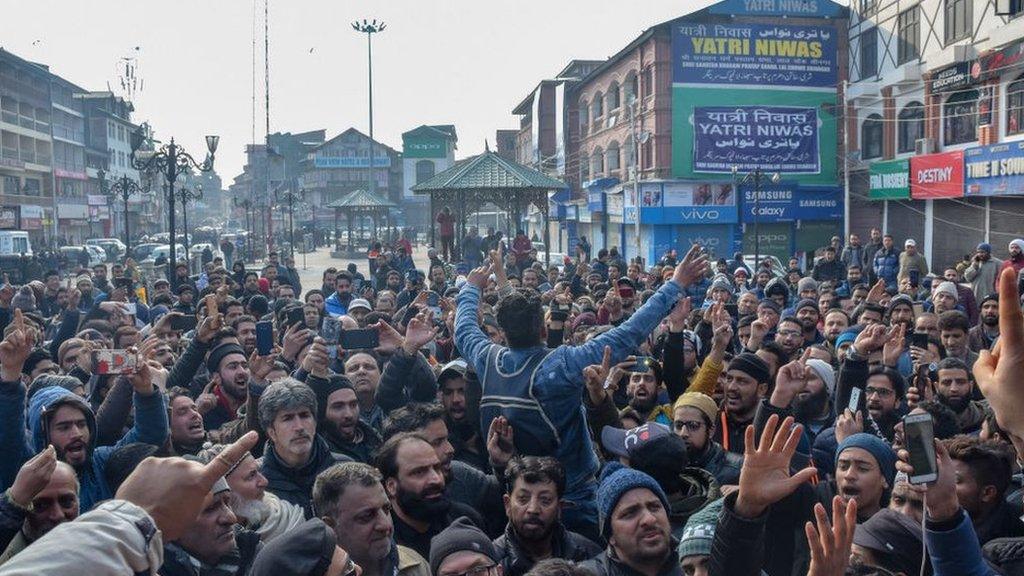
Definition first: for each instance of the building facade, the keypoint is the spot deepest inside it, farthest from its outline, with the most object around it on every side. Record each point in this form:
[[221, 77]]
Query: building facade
[[426, 151], [936, 124], [108, 130], [342, 165]]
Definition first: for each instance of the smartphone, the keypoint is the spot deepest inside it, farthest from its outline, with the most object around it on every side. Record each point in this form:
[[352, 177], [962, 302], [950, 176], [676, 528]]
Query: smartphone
[[264, 338], [854, 404], [643, 364], [365, 339], [113, 362], [919, 340], [432, 299], [183, 323], [915, 277], [296, 315], [919, 439], [330, 330]]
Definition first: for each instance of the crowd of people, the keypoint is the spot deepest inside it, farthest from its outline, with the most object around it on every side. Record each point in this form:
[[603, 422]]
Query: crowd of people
[[497, 416]]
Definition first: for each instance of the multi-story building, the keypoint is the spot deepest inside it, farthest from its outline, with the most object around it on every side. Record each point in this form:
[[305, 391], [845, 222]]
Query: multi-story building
[[936, 123], [108, 130], [342, 164], [426, 151], [26, 147], [69, 176]]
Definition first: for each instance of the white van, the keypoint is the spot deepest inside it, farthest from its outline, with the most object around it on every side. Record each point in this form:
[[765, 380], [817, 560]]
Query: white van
[[14, 243]]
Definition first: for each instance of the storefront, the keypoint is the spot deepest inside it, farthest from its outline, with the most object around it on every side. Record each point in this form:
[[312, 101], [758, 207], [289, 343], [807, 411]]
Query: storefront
[[789, 219], [677, 214]]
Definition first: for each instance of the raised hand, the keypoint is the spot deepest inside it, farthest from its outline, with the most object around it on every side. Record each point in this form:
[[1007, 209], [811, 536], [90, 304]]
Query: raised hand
[[998, 372], [500, 442], [595, 374], [207, 401], [677, 317], [419, 332], [147, 375], [872, 338], [830, 544], [498, 266], [692, 268], [33, 477], [893, 348], [478, 277], [876, 292], [208, 328], [790, 381], [940, 495], [260, 366], [848, 424], [15, 349], [764, 477], [172, 490]]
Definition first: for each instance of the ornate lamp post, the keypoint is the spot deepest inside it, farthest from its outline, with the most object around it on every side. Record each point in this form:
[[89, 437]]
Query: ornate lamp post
[[370, 28], [247, 205], [171, 161], [186, 195], [122, 188], [289, 197]]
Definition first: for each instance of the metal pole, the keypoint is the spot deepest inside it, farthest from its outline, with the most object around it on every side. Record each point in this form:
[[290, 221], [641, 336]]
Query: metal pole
[[757, 218], [846, 165], [291, 225], [184, 223], [127, 238], [636, 178], [369, 69], [172, 175]]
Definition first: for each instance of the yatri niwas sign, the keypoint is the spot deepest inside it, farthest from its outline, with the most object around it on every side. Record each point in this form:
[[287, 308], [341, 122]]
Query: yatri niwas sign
[[771, 138]]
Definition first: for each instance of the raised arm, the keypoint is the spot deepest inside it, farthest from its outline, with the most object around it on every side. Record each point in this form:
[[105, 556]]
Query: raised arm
[[469, 338]]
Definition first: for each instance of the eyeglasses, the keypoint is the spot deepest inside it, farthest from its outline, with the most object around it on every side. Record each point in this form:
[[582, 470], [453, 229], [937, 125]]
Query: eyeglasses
[[690, 425], [789, 333], [478, 571], [881, 392]]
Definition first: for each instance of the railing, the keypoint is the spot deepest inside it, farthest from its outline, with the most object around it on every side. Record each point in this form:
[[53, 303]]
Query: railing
[[69, 133]]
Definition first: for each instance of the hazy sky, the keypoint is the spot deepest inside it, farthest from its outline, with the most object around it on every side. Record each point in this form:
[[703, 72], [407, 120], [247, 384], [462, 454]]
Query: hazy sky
[[462, 62]]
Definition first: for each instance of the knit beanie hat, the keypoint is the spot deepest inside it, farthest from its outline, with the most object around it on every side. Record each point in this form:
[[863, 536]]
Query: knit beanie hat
[[899, 299], [305, 550], [24, 300], [849, 335], [948, 288], [615, 481], [324, 387], [721, 282], [776, 287], [460, 536], [994, 297], [752, 365], [1018, 243], [875, 446], [805, 303], [699, 532], [770, 304], [806, 283], [825, 372], [701, 402], [219, 353], [984, 247]]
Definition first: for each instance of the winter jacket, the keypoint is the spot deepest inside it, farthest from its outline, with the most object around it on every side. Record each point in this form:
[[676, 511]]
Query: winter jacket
[[362, 451], [953, 547], [915, 262], [852, 255], [564, 544], [406, 378], [111, 540], [724, 466], [295, 485], [825, 271], [886, 265], [606, 564], [737, 548], [982, 276], [337, 306], [178, 562], [151, 427]]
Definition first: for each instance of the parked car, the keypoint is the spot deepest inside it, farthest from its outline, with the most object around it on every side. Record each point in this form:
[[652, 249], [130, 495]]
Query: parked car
[[72, 255], [196, 250], [114, 248], [165, 251], [142, 251]]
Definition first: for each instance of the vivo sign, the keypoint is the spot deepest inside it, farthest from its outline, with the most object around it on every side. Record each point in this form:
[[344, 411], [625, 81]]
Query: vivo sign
[[690, 215]]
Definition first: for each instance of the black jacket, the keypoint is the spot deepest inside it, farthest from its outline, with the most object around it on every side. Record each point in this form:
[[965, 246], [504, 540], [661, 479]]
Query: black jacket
[[605, 564], [419, 542], [738, 546], [177, 562], [295, 485], [724, 466], [565, 544], [362, 451]]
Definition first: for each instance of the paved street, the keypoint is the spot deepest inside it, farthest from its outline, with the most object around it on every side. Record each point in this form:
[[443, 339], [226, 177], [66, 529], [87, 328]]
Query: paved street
[[317, 262]]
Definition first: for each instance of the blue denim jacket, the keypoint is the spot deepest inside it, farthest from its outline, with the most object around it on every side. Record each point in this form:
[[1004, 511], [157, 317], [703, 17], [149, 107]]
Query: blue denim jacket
[[558, 383]]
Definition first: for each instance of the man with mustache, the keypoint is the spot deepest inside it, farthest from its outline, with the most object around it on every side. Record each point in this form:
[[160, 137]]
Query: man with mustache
[[350, 498], [295, 454], [229, 375], [50, 489], [211, 544], [634, 516], [533, 504], [746, 382], [414, 482], [338, 417], [954, 388], [983, 335], [464, 433]]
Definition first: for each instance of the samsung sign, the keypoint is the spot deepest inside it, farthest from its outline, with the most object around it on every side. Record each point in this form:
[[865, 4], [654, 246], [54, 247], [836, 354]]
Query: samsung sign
[[789, 202]]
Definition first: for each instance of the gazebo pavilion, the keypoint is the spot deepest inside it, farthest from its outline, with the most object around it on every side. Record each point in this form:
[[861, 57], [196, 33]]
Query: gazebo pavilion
[[359, 204], [489, 179]]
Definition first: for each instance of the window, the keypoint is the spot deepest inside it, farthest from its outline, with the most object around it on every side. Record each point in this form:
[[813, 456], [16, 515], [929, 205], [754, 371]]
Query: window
[[31, 187], [958, 20], [867, 6], [597, 106], [613, 96], [612, 156], [1015, 106], [869, 53], [584, 168], [909, 25], [960, 118], [648, 82], [647, 153], [910, 127], [632, 87], [871, 137], [584, 115], [12, 185], [424, 170], [597, 163]]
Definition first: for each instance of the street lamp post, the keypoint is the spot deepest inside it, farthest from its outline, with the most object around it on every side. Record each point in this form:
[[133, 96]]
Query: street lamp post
[[290, 197], [247, 205], [756, 177], [186, 195], [370, 28], [171, 161], [122, 188]]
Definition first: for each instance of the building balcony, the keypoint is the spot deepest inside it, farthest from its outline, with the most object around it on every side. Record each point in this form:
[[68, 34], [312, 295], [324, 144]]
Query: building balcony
[[69, 134]]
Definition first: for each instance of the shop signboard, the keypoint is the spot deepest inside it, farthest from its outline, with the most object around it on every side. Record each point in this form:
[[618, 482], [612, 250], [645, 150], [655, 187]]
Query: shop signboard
[[8, 217], [770, 138], [687, 203], [994, 170], [951, 77], [778, 8], [889, 180], [787, 202], [937, 175], [31, 217]]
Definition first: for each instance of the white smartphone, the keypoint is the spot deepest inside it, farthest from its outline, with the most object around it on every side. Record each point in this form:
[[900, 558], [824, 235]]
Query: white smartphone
[[854, 404], [919, 439]]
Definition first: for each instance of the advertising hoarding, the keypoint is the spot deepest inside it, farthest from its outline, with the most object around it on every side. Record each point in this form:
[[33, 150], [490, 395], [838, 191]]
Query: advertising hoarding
[[889, 180], [994, 170], [769, 138], [937, 175]]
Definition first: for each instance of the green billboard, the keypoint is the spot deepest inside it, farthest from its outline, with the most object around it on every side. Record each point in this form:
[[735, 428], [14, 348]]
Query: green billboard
[[424, 146], [889, 180], [715, 128]]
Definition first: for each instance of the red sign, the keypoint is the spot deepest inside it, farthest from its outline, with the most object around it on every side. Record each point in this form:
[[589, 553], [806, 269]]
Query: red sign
[[937, 176]]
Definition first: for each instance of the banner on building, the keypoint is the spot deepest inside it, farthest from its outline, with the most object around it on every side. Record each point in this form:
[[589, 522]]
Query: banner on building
[[31, 217], [769, 138], [994, 170], [755, 55], [952, 77], [8, 217], [937, 175], [787, 202], [687, 203], [379, 161], [778, 8], [889, 180]]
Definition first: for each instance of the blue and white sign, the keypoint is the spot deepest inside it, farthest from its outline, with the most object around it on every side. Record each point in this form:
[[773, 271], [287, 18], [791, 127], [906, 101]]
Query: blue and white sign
[[755, 55], [770, 138], [784, 8], [994, 170], [382, 161], [677, 202], [789, 202]]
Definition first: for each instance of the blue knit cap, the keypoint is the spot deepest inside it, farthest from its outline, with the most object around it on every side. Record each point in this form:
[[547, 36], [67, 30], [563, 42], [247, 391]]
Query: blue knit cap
[[846, 336], [875, 446], [616, 480]]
